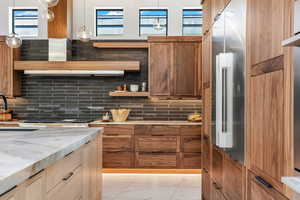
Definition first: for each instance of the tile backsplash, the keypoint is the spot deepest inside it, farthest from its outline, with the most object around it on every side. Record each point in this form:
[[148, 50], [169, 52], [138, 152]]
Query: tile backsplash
[[87, 97]]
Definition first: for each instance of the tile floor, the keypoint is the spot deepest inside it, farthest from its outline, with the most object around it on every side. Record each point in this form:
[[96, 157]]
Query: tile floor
[[151, 187]]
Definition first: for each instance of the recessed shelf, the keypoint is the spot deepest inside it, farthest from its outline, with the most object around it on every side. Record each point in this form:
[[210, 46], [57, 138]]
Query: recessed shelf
[[292, 42], [121, 45], [128, 94]]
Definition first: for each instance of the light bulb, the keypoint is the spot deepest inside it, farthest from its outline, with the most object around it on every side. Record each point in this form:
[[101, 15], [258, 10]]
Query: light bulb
[[84, 35], [51, 3], [50, 15], [13, 40]]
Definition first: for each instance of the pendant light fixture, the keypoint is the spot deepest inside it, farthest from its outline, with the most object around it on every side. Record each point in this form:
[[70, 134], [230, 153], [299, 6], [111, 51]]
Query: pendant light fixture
[[46, 4], [13, 40], [157, 25], [50, 3], [49, 15], [84, 35]]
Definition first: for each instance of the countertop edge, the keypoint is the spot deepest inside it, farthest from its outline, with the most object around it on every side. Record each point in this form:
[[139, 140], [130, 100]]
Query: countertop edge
[[292, 182], [19, 177]]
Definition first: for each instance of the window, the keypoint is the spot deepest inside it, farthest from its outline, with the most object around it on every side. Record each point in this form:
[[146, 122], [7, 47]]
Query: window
[[150, 17], [192, 22], [25, 22], [109, 21]]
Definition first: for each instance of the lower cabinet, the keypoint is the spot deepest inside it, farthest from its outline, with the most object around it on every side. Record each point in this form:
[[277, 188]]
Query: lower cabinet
[[152, 146], [216, 193], [259, 189], [217, 167], [77, 176], [206, 185]]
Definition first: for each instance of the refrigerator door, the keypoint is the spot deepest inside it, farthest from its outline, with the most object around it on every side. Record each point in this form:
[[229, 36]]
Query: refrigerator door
[[235, 29], [297, 108]]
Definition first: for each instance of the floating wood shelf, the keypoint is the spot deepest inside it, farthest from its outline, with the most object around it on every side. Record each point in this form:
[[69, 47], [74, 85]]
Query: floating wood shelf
[[121, 45], [77, 65], [292, 42], [128, 94]]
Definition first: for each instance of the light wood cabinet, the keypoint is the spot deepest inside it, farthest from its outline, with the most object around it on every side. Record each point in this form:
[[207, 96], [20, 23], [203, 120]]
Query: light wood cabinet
[[207, 21], [260, 190], [190, 161], [157, 160], [206, 60], [217, 167], [118, 159], [175, 66], [10, 80], [191, 144], [168, 144], [216, 193]]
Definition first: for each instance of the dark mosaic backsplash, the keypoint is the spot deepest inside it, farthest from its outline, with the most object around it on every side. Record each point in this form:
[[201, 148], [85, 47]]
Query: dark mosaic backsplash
[[87, 97]]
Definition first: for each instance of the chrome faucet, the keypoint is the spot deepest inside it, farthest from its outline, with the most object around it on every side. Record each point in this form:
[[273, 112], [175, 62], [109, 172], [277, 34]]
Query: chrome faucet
[[5, 104]]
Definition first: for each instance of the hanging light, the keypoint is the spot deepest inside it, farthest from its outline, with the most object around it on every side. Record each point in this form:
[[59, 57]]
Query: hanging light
[[13, 40], [157, 25], [49, 15], [50, 3], [84, 35]]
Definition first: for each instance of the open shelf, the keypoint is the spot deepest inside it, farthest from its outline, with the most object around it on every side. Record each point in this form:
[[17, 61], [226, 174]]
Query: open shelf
[[292, 42], [121, 45], [128, 94], [77, 65]]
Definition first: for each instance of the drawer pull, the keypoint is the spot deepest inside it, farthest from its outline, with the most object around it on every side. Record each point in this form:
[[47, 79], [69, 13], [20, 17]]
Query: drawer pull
[[111, 135], [205, 170], [262, 181], [36, 174], [88, 142], [157, 135], [68, 176], [216, 186], [69, 153], [205, 137]]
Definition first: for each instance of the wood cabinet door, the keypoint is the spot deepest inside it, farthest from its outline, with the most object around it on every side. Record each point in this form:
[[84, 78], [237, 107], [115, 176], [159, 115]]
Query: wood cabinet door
[[167, 144], [216, 193], [233, 179], [206, 59], [118, 160], [35, 187], [259, 190], [185, 69], [191, 144], [206, 5], [191, 160], [267, 134], [266, 28], [206, 185], [157, 160], [217, 167], [117, 143], [160, 64]]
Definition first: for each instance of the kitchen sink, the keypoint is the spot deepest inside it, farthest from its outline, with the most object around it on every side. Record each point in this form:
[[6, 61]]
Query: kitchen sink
[[17, 129]]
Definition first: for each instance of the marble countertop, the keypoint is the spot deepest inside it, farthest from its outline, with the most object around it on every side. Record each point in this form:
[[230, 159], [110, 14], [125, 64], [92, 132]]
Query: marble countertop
[[292, 182], [24, 153], [145, 122]]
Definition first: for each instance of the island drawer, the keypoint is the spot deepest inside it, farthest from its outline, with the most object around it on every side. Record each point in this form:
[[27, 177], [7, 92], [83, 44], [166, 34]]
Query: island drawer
[[118, 160], [191, 144], [157, 160], [69, 188], [156, 130], [117, 143], [191, 130], [168, 144], [57, 172]]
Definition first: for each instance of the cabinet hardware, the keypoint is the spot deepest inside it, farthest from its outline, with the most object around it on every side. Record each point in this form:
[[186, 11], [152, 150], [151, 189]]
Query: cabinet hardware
[[205, 170], [88, 142], [111, 135], [4, 193], [68, 176], [36, 174], [262, 181], [205, 137], [157, 135], [69, 154], [216, 186], [217, 17]]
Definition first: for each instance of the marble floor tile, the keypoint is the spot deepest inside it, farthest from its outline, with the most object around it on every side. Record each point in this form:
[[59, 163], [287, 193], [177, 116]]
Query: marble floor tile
[[151, 187]]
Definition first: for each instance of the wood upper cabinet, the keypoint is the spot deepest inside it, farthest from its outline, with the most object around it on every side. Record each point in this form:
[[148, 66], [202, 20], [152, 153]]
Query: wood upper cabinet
[[259, 190], [9, 79], [175, 66], [206, 59], [207, 22], [160, 62], [267, 28], [217, 6]]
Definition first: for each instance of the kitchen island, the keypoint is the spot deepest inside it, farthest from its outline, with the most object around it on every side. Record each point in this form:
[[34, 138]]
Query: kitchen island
[[44, 163]]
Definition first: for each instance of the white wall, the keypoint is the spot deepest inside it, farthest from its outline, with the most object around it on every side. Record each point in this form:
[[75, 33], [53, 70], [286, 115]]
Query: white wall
[[131, 15]]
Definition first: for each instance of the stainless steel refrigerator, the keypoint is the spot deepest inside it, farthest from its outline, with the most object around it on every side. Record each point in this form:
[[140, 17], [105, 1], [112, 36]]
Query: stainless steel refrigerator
[[228, 99]]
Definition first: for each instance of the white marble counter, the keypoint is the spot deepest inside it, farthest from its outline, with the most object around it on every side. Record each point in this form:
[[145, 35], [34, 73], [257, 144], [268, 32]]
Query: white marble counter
[[145, 122], [23, 154], [294, 184]]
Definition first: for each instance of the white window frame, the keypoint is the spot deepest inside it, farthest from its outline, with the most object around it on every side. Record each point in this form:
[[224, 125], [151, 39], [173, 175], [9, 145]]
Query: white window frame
[[10, 20], [95, 20]]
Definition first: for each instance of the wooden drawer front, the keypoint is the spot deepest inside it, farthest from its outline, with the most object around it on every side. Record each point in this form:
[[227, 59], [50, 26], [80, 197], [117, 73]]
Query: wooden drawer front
[[62, 168], [217, 167], [113, 143], [191, 160], [157, 160], [259, 190], [167, 144], [157, 130], [118, 130], [206, 185], [70, 188], [118, 160], [191, 130], [191, 144]]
